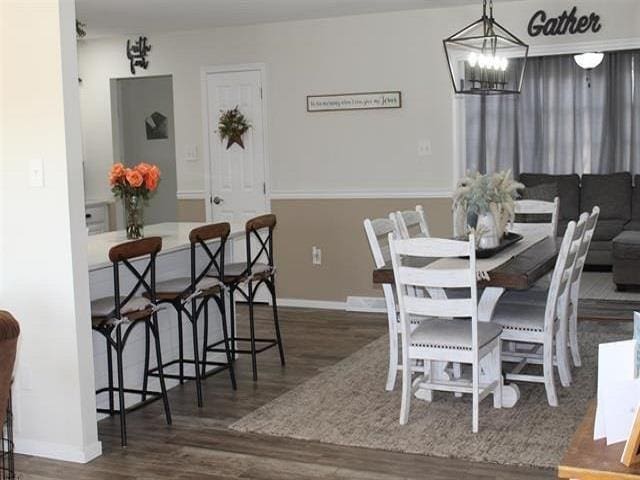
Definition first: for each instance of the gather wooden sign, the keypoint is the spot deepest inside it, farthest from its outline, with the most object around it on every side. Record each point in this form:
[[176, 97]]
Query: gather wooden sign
[[566, 23]]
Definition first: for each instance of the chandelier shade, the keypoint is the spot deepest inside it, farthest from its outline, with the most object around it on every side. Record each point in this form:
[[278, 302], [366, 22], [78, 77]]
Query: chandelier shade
[[588, 60], [484, 58]]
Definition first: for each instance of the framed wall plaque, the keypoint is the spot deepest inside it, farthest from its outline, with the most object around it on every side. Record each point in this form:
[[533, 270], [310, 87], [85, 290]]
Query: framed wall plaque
[[354, 101]]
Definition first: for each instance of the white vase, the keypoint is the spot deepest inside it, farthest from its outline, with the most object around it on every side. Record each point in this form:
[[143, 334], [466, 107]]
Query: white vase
[[487, 230]]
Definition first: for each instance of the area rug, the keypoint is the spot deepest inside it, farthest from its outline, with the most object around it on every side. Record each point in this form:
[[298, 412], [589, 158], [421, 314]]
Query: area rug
[[346, 404]]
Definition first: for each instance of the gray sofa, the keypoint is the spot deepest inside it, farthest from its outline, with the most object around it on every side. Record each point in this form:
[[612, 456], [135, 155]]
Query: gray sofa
[[618, 199]]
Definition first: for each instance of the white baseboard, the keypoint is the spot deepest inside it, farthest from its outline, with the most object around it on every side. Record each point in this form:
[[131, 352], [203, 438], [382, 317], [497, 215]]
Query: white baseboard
[[353, 304], [58, 451], [366, 304], [319, 304]]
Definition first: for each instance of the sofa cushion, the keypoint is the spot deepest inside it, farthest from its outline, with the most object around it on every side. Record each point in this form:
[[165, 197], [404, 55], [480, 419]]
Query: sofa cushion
[[627, 245], [608, 229], [633, 225], [612, 193], [546, 192], [568, 190], [635, 199]]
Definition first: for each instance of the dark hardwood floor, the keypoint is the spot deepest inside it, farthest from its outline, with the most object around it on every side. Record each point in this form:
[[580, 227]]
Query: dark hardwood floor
[[200, 446]]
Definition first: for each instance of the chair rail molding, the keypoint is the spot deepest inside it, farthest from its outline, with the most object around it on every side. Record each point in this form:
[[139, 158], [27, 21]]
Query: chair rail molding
[[191, 195], [359, 194]]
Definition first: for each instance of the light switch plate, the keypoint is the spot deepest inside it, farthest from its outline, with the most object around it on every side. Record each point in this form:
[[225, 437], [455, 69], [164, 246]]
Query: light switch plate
[[424, 148], [191, 153], [36, 173]]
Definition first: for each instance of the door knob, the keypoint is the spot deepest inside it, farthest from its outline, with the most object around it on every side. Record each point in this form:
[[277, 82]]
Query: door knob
[[217, 200]]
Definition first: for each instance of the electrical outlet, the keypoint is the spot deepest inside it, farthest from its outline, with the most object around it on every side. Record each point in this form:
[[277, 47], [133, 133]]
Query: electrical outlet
[[36, 173], [316, 256], [424, 148]]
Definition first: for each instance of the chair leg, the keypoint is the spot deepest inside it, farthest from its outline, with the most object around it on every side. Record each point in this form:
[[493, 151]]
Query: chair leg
[[196, 361], [180, 344], [227, 349], [547, 368], [272, 288], [122, 407], [497, 366], [562, 353], [205, 336], [252, 330], [476, 396], [428, 371], [163, 387], [232, 322], [110, 374], [406, 388], [147, 353], [573, 326], [392, 319]]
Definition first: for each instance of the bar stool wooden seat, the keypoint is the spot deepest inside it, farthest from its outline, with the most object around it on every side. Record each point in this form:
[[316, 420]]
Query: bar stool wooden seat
[[245, 278], [204, 284], [116, 316]]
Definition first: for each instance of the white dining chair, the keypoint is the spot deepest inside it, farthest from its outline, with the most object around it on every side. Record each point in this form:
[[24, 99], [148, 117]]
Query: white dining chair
[[574, 298], [536, 207], [538, 294], [541, 329], [412, 223], [378, 231], [449, 331]]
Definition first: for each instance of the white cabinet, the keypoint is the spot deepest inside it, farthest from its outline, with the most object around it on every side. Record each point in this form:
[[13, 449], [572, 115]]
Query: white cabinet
[[97, 217]]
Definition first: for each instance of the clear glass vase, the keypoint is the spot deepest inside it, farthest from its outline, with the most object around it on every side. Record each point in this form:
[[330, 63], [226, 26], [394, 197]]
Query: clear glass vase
[[134, 216]]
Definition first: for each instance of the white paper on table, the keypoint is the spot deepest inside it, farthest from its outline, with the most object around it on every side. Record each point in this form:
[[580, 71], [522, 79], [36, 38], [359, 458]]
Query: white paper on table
[[636, 337], [615, 364], [621, 400]]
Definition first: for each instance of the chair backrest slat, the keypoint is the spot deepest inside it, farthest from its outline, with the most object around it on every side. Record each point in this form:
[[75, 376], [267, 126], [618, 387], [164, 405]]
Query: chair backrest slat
[[377, 231], [562, 273], [144, 273], [202, 238], [537, 207], [429, 307], [591, 220], [260, 229], [411, 223], [433, 247], [429, 277]]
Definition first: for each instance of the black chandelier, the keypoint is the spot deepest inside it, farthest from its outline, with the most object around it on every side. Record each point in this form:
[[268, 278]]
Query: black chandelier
[[485, 58]]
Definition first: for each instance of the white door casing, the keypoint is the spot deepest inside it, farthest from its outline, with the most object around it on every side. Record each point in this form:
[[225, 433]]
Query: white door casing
[[236, 178]]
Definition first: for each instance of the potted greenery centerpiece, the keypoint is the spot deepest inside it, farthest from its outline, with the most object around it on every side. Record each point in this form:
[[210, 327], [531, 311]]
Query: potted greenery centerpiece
[[232, 125], [485, 203], [134, 186]]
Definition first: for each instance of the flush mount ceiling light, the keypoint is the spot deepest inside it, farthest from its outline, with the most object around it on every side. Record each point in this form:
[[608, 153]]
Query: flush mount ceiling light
[[589, 60], [485, 58]]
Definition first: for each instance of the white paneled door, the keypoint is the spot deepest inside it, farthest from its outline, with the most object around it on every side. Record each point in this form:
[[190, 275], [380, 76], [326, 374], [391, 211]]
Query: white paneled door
[[237, 177]]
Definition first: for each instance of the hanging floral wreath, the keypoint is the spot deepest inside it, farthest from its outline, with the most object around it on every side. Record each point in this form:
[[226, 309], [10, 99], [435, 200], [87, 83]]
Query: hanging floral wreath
[[232, 125]]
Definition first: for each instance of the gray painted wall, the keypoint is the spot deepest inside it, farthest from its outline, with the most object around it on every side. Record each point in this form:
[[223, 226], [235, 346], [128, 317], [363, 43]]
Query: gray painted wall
[[139, 98]]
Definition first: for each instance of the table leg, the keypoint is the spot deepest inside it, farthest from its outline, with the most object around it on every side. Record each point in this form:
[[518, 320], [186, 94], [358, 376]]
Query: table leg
[[486, 307], [488, 302]]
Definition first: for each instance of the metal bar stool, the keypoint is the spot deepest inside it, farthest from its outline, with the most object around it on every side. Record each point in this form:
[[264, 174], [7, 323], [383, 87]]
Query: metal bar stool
[[250, 275], [203, 285], [111, 315]]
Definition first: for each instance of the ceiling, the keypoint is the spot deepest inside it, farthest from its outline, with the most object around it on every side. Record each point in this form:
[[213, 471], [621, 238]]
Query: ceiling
[[118, 17]]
